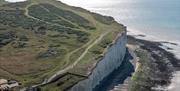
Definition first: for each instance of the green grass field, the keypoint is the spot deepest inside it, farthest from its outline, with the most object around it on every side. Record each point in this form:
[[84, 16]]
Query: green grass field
[[40, 37]]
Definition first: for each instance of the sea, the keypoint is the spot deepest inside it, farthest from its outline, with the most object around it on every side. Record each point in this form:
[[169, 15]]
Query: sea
[[156, 20]]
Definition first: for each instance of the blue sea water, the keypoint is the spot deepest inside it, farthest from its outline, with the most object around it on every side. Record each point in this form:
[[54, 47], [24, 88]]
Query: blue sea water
[[154, 17], [159, 20]]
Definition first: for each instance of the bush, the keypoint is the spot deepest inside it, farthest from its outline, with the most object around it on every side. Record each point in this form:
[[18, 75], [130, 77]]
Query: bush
[[103, 19], [6, 38], [52, 52], [69, 16], [105, 43], [23, 38], [18, 44], [41, 30], [39, 12]]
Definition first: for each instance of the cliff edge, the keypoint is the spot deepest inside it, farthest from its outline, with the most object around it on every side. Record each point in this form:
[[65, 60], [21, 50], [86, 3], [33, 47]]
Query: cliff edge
[[46, 41]]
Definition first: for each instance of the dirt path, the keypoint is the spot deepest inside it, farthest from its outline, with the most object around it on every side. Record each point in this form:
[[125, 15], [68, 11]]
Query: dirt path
[[89, 45], [76, 61], [27, 14]]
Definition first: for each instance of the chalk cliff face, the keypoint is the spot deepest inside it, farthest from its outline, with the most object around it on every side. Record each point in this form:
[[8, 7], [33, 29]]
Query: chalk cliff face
[[111, 61]]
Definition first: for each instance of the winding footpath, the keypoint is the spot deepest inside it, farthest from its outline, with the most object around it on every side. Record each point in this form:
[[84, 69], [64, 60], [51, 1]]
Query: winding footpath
[[89, 45], [57, 74], [35, 18]]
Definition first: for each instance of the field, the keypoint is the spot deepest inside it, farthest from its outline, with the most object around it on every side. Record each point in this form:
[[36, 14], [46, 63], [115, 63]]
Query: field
[[39, 38]]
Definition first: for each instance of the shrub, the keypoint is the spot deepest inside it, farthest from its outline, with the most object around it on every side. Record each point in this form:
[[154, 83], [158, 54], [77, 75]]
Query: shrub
[[23, 38], [39, 12], [69, 16]]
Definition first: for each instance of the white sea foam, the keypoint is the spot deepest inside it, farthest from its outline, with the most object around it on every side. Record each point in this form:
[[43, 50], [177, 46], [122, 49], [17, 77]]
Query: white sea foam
[[125, 15], [175, 49], [175, 82]]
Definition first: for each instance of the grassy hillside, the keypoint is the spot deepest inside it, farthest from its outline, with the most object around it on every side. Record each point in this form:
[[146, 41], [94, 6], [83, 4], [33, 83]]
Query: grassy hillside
[[40, 37]]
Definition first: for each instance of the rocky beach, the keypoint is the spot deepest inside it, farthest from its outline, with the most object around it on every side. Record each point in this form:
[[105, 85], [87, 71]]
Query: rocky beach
[[68, 48], [155, 68]]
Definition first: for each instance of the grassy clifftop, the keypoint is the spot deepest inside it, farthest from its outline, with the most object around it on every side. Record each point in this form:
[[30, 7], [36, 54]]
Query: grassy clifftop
[[38, 38]]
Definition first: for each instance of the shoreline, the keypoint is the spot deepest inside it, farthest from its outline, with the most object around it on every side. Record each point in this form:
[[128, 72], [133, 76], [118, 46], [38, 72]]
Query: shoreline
[[162, 83], [159, 45], [151, 47], [171, 46]]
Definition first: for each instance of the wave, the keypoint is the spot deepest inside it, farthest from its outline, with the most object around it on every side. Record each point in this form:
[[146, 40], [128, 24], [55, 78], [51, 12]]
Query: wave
[[172, 46]]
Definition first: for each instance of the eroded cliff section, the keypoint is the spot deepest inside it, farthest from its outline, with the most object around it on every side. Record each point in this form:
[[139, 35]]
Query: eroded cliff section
[[111, 61]]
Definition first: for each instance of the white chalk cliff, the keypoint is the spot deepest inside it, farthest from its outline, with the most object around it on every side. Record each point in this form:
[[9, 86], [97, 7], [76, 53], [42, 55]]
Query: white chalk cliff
[[111, 61]]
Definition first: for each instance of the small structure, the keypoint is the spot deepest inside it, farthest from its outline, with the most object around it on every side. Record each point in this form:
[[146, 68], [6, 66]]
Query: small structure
[[3, 81], [8, 84]]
